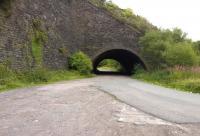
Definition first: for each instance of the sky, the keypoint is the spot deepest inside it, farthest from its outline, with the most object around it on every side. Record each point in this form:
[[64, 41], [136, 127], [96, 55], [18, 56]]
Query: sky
[[184, 14]]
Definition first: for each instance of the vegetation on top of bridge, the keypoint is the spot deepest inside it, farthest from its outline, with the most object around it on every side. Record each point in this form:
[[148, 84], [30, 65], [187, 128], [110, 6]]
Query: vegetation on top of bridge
[[125, 15]]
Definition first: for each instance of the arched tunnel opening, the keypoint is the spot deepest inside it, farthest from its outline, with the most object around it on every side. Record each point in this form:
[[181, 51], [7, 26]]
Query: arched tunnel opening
[[127, 59]]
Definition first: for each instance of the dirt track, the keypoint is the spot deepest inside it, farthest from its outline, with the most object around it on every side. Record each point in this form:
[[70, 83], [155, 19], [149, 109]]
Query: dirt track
[[77, 108]]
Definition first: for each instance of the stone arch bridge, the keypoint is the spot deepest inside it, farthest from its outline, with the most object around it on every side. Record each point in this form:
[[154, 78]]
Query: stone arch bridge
[[70, 26], [128, 58]]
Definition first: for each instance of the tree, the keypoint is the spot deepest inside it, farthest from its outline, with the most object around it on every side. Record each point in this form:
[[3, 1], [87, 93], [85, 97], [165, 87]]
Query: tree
[[178, 35], [181, 54], [153, 45], [197, 46], [163, 48]]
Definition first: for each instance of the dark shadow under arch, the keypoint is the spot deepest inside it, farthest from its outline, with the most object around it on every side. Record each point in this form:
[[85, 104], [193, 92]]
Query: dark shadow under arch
[[126, 58]]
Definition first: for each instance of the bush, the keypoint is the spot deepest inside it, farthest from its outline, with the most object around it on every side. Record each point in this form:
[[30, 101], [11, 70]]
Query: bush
[[181, 54], [80, 62]]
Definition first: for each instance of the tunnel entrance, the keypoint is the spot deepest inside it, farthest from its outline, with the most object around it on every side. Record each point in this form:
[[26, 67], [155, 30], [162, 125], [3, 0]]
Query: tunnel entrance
[[127, 59]]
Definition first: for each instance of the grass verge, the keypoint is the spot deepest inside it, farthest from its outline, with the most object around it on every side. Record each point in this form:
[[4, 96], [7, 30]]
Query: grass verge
[[13, 80], [185, 80]]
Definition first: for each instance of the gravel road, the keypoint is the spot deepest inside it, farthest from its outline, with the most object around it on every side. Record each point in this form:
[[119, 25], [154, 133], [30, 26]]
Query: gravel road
[[100, 106]]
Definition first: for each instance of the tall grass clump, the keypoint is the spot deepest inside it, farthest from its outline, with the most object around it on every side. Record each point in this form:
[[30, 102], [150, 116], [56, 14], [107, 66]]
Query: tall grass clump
[[186, 79]]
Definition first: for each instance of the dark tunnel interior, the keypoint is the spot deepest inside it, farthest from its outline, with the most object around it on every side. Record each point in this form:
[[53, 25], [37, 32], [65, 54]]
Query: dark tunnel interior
[[126, 58]]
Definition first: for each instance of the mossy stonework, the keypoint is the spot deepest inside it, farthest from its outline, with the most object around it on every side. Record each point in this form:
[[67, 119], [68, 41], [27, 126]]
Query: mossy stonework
[[38, 40], [58, 29]]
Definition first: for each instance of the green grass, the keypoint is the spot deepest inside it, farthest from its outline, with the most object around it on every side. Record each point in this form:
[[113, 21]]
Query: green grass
[[10, 79], [188, 81], [13, 80]]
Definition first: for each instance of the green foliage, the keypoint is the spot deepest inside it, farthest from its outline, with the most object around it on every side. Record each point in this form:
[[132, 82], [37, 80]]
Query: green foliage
[[178, 79], [153, 44], [99, 3], [37, 51], [181, 54], [111, 6], [110, 65], [12, 79], [125, 15], [5, 74], [59, 75], [36, 75], [38, 40], [80, 62], [178, 35], [138, 69], [165, 48], [197, 47], [128, 13]]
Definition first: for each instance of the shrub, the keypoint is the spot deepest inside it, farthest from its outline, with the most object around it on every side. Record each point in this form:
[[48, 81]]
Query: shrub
[[80, 62], [181, 54]]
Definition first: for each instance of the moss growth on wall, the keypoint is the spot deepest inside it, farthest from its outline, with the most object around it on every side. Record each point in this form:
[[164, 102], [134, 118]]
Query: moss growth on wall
[[38, 40]]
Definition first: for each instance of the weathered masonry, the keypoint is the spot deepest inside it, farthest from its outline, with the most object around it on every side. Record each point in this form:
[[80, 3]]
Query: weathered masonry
[[48, 31]]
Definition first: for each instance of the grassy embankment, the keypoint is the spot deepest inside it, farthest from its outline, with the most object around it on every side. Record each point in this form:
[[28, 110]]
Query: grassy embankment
[[179, 78]]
